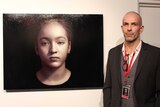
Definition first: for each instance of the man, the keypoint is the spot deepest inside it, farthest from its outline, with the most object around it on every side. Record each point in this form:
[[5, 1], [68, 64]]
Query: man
[[133, 69]]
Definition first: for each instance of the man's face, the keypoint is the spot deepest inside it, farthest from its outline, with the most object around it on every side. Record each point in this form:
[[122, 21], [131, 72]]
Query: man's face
[[132, 27]]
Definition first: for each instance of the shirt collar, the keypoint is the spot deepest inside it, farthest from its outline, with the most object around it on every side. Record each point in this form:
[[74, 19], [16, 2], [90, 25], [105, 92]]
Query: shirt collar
[[138, 48]]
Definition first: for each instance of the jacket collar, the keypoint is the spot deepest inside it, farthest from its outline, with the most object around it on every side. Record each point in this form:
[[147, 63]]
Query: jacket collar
[[142, 57]]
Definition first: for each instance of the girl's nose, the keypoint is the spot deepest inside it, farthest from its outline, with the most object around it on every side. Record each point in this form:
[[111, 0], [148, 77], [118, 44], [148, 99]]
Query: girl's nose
[[53, 49]]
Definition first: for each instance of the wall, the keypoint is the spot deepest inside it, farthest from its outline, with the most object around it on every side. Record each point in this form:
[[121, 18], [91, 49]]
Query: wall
[[113, 10], [150, 12]]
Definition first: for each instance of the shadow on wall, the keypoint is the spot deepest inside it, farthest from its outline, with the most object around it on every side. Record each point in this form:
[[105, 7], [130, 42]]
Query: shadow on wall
[[120, 41]]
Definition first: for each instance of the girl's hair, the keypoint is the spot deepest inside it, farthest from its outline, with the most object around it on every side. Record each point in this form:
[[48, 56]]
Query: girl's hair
[[64, 20], [32, 23]]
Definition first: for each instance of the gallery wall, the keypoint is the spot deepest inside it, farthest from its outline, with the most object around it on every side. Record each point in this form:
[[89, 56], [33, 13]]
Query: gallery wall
[[150, 12], [112, 11]]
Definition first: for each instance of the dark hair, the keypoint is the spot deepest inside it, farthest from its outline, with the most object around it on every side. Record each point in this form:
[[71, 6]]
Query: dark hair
[[32, 23]]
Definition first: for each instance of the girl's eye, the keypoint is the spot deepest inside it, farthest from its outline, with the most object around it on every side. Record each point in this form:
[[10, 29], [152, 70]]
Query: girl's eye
[[44, 43], [60, 42]]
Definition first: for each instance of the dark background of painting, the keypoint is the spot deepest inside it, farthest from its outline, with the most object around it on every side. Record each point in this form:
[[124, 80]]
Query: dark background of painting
[[85, 60]]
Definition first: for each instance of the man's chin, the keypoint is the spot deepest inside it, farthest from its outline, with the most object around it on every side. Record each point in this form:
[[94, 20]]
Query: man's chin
[[129, 38]]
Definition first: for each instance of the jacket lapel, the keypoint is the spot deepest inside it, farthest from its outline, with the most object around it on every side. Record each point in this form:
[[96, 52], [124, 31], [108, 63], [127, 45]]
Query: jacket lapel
[[118, 64], [142, 57]]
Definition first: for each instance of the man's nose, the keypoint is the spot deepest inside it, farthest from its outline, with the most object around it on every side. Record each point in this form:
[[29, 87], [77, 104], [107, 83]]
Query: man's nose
[[129, 28]]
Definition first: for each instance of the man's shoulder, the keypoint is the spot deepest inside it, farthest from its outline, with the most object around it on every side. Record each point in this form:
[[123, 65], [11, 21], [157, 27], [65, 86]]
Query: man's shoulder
[[116, 48], [150, 47], [154, 51]]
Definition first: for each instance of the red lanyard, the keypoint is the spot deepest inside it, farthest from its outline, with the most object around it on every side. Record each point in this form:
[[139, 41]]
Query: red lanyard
[[126, 73]]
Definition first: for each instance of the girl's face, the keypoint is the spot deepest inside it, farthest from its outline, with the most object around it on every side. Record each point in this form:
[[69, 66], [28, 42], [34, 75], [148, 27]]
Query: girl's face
[[53, 45]]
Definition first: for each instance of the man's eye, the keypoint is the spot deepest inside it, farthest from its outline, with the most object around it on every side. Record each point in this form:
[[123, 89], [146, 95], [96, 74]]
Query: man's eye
[[125, 24], [135, 24]]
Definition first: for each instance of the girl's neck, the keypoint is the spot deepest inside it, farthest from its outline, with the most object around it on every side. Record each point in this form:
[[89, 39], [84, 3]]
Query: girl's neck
[[53, 76]]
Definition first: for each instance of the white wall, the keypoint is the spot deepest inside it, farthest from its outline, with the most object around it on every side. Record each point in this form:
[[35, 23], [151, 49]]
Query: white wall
[[150, 12], [113, 10]]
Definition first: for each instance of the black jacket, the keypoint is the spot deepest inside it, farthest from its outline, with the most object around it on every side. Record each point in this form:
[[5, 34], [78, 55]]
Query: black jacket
[[147, 78]]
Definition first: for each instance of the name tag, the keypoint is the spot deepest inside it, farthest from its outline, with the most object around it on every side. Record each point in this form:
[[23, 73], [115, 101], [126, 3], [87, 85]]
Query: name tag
[[125, 91]]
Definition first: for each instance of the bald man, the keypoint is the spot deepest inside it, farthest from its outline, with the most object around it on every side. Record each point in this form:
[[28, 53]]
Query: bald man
[[133, 69]]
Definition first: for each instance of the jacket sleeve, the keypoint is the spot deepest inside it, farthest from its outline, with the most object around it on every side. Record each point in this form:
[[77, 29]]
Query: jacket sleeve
[[157, 104], [107, 86]]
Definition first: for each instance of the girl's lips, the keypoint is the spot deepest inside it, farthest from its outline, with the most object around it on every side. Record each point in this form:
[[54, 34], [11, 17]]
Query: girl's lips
[[54, 58]]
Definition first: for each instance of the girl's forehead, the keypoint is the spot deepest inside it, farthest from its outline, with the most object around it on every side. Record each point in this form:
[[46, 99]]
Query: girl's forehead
[[51, 23], [54, 26], [52, 31]]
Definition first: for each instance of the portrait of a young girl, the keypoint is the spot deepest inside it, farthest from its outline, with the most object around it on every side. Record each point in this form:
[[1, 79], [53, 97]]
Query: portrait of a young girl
[[52, 51]]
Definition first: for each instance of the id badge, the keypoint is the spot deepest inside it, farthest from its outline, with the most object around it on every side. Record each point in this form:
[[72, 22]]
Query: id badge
[[125, 91]]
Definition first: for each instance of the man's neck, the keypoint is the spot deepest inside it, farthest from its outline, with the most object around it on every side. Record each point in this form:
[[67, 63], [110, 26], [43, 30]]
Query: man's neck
[[131, 46]]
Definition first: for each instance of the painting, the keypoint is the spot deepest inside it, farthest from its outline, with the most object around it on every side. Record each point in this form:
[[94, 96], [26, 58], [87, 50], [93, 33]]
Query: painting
[[52, 51]]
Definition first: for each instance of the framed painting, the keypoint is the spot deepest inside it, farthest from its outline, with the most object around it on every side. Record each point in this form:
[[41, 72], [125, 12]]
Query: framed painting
[[53, 51]]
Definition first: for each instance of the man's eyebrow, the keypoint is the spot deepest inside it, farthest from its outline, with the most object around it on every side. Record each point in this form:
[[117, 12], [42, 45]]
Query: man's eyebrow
[[130, 22], [125, 22]]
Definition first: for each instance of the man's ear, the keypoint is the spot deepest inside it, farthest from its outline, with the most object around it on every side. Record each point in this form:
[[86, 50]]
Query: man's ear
[[122, 27], [142, 29]]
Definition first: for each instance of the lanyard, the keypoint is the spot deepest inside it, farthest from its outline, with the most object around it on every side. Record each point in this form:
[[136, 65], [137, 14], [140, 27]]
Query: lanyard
[[126, 73]]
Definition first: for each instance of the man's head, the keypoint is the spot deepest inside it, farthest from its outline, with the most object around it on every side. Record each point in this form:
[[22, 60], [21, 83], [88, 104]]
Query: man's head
[[132, 26]]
